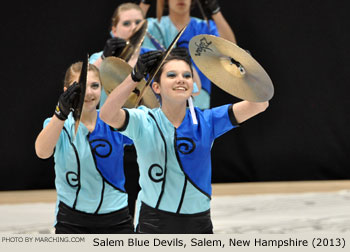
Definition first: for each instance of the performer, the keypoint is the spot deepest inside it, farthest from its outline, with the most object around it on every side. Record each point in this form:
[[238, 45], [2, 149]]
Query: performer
[[123, 22], [88, 165], [173, 151], [164, 31]]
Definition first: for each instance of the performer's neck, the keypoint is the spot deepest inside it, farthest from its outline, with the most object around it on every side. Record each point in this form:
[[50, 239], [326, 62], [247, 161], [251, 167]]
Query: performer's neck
[[88, 118], [179, 20], [175, 113]]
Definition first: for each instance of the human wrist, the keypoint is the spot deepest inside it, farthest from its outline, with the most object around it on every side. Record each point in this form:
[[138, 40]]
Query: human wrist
[[59, 113], [135, 76]]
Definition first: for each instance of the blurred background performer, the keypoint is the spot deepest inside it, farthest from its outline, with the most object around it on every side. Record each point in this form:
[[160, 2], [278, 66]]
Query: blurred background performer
[[163, 30]]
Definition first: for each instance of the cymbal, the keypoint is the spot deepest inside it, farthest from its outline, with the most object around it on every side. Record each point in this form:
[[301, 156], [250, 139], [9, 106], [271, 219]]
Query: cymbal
[[78, 109], [231, 68], [114, 71], [135, 41]]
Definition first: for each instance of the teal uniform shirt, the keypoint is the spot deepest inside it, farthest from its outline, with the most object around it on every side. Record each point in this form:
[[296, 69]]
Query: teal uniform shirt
[[89, 168], [175, 163]]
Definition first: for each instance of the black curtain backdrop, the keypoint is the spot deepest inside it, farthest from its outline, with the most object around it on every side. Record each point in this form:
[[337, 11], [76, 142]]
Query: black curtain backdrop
[[303, 45]]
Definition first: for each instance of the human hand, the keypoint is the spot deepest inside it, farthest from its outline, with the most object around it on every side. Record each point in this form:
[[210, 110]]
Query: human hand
[[145, 63], [113, 47], [210, 7], [66, 101]]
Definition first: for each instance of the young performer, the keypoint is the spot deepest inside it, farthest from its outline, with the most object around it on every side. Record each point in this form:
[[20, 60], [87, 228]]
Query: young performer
[[173, 151], [124, 20], [89, 164]]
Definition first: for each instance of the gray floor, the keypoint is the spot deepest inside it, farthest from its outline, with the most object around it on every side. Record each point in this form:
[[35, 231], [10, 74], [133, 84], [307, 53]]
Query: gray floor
[[250, 214]]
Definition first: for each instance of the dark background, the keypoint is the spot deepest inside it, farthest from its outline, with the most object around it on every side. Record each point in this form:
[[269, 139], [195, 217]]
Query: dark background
[[303, 45]]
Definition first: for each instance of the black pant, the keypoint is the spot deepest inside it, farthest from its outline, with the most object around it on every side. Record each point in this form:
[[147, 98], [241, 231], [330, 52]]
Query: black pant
[[155, 221], [71, 221], [132, 174]]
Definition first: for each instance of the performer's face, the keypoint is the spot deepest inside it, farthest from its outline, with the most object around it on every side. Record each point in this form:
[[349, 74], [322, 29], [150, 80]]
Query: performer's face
[[93, 91], [179, 6], [176, 81], [128, 20]]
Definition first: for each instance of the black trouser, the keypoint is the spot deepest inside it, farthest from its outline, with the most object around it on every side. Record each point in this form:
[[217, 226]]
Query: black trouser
[[155, 221], [70, 221], [131, 176]]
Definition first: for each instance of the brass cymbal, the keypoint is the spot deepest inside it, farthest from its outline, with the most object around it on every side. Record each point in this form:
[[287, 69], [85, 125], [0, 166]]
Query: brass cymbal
[[114, 71], [135, 41], [231, 68]]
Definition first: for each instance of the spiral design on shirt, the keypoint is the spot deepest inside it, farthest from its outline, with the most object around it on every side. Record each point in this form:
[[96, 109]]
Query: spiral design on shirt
[[185, 145], [72, 179], [102, 149], [156, 173]]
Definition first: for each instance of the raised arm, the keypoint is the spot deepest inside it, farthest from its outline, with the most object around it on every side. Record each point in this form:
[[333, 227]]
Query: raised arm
[[47, 139], [111, 111], [224, 28], [244, 110], [212, 9]]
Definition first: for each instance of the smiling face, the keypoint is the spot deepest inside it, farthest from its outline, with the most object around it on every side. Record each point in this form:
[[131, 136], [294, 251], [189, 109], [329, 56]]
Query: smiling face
[[93, 90], [175, 83], [127, 22]]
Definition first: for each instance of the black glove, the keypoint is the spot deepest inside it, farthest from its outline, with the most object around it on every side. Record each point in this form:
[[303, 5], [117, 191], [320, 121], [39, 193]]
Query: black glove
[[66, 101], [210, 7], [113, 47], [180, 51], [145, 64]]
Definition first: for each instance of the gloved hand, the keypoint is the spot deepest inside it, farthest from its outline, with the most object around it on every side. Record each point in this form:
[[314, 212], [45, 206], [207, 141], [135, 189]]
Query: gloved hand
[[113, 47], [145, 63], [181, 51], [210, 7], [67, 101]]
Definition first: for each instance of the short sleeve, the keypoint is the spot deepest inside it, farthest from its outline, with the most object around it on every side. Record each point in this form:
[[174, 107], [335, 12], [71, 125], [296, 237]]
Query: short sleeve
[[127, 141], [59, 142], [222, 119], [213, 30], [94, 57], [46, 122], [135, 123]]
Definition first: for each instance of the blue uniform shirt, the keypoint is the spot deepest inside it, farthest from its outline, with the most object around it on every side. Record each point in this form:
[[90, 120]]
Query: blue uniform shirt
[[89, 168], [175, 163]]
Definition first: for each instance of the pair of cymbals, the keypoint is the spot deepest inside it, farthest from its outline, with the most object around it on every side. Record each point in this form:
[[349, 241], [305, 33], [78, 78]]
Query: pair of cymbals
[[113, 72], [135, 41], [231, 68]]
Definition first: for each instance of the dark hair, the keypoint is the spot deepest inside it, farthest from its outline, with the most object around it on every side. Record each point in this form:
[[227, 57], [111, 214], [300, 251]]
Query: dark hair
[[179, 53]]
